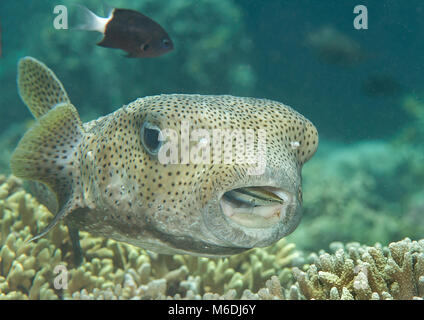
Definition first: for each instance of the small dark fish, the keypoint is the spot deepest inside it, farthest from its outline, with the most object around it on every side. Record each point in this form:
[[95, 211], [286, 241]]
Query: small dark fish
[[381, 86], [130, 31], [336, 48]]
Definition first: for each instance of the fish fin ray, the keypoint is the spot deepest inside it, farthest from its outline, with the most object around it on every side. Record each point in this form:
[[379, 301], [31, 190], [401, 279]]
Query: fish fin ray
[[38, 86], [63, 212]]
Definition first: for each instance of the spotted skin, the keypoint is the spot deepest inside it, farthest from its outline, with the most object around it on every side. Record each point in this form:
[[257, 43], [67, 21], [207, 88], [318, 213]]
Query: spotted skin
[[121, 191], [39, 87]]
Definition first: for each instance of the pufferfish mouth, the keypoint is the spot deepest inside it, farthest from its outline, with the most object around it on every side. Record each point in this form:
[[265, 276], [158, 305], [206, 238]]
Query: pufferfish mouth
[[257, 206]]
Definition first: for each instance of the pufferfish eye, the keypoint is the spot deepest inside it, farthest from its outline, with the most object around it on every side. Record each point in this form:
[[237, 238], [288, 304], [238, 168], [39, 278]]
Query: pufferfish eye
[[150, 138]]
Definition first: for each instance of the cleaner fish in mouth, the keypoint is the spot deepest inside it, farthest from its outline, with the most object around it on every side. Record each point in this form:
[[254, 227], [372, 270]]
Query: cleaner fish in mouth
[[107, 178]]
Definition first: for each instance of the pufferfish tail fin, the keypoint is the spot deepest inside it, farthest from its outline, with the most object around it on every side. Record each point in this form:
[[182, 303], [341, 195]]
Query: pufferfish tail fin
[[39, 87], [48, 153]]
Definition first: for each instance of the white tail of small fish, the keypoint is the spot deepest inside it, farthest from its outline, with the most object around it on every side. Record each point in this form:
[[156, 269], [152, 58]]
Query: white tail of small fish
[[89, 21]]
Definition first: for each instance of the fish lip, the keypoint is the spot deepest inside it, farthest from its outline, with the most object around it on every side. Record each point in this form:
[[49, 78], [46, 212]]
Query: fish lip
[[227, 232], [259, 216]]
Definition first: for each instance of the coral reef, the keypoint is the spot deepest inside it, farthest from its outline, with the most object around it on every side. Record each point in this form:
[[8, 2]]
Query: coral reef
[[116, 270], [355, 272], [113, 270], [369, 199]]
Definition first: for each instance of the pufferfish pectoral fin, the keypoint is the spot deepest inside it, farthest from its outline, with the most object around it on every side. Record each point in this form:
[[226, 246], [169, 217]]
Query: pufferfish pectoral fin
[[48, 153], [39, 87]]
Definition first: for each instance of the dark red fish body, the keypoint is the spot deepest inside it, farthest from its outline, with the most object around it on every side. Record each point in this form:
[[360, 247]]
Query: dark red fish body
[[136, 34]]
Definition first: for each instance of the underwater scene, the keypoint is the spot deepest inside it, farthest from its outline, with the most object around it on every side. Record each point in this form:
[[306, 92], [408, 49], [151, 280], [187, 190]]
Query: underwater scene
[[211, 149]]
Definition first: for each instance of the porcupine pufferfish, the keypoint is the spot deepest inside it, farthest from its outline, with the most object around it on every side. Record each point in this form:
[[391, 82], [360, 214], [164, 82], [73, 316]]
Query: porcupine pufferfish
[[105, 176]]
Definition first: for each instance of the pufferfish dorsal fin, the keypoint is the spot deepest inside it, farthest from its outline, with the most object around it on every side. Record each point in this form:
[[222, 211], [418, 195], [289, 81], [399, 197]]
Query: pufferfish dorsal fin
[[39, 87], [48, 153]]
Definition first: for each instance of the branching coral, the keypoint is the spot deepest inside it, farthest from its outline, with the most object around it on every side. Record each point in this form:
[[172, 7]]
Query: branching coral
[[356, 272], [25, 268], [113, 270], [149, 275]]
